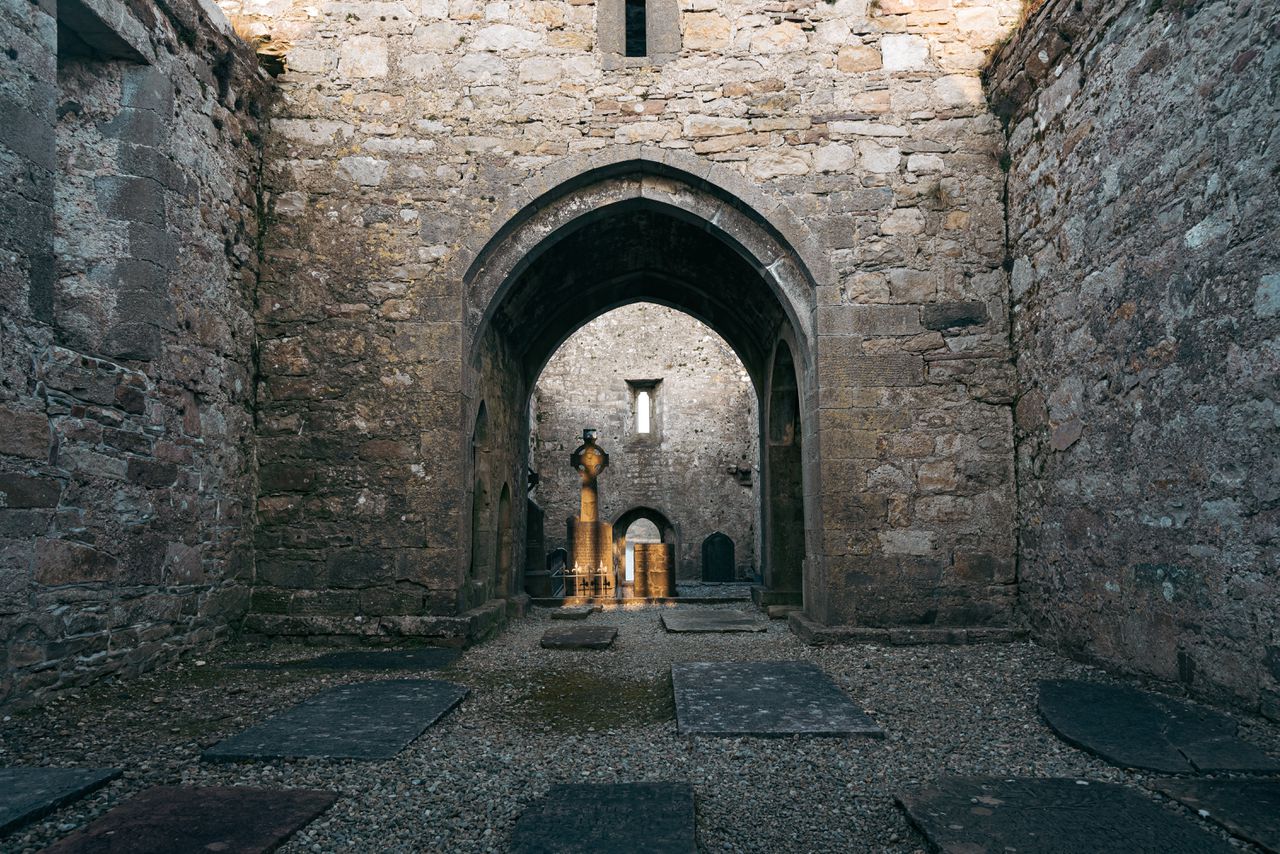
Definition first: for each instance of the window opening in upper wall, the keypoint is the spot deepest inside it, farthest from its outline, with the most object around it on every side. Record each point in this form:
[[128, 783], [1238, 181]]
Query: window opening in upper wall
[[636, 42], [642, 412], [645, 422]]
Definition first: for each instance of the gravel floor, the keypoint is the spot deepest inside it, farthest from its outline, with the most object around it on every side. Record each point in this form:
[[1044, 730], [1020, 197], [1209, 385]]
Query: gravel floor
[[537, 716]]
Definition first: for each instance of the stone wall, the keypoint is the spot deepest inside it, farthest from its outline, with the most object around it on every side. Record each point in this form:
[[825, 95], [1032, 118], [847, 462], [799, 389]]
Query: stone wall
[[699, 465], [1143, 211], [130, 156], [408, 134]]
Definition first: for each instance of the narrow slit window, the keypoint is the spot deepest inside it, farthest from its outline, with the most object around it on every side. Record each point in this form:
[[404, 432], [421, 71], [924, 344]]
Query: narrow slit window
[[642, 412], [636, 43]]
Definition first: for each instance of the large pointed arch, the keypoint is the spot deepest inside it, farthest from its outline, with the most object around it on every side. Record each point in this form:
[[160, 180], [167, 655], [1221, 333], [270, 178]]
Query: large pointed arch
[[637, 230]]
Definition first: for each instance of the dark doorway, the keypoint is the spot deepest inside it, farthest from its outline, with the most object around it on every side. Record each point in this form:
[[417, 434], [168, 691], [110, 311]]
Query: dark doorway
[[717, 558]]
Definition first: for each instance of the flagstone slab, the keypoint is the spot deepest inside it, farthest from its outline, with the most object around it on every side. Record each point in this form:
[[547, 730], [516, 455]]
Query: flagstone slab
[[1050, 816], [712, 621], [27, 794], [368, 720], [764, 698], [1138, 729], [579, 637], [609, 818], [416, 658], [574, 612], [168, 819], [1248, 808]]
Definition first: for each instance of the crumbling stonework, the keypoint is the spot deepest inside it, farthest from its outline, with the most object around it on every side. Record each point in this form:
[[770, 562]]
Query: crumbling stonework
[[129, 150], [848, 142], [1143, 212], [699, 465]]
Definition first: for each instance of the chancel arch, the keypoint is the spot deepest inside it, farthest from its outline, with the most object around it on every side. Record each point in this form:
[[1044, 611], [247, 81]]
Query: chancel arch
[[638, 232]]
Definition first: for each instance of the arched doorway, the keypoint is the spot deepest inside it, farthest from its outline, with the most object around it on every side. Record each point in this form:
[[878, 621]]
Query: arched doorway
[[652, 527], [717, 558], [631, 232]]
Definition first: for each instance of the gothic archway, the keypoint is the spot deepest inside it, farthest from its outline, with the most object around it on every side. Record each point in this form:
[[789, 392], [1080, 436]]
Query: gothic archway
[[624, 233]]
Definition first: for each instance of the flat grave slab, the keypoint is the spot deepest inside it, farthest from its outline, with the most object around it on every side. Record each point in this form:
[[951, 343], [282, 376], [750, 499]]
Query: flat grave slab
[[573, 612], [765, 698], [370, 720], [1050, 816], [1248, 808], [579, 637], [1137, 729], [612, 818], [417, 658], [712, 621], [27, 794], [188, 818]]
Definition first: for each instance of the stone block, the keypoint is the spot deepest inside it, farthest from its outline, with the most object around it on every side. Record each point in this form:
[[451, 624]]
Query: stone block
[[18, 491], [131, 198], [904, 52], [286, 477], [705, 31], [840, 364], [954, 315], [60, 562], [363, 56], [153, 474], [856, 59], [24, 433]]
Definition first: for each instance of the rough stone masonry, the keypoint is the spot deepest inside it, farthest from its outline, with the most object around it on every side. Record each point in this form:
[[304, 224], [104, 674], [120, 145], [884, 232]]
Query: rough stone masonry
[[1013, 346]]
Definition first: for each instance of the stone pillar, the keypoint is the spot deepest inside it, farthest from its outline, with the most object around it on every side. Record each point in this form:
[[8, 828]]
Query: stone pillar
[[654, 563]]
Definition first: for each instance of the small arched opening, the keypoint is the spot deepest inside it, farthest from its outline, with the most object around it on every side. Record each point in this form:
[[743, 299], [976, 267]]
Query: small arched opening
[[717, 558]]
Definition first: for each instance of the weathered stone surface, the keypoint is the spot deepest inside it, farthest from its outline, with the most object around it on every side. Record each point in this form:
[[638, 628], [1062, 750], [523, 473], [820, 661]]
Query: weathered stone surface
[[1049, 815], [579, 637], [578, 818], [26, 794], [764, 698], [369, 720], [1152, 370], [1136, 729], [200, 818], [702, 621], [1248, 808], [574, 612], [127, 357]]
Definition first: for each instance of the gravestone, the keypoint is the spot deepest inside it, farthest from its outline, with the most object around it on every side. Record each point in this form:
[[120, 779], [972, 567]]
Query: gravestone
[[573, 612], [717, 558], [369, 720], [579, 637], [27, 794], [764, 698], [1050, 816], [1248, 808], [615, 818], [1137, 729], [169, 819], [705, 621]]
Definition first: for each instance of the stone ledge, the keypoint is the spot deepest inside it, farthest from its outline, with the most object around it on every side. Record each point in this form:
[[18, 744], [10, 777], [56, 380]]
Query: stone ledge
[[471, 627], [816, 634], [633, 602]]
